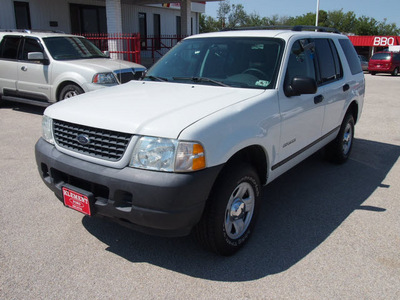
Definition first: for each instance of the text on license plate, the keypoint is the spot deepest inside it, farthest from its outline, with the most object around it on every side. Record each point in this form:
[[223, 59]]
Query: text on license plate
[[76, 201]]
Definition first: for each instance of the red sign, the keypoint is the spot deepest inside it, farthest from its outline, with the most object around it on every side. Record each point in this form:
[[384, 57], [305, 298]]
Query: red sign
[[375, 41], [76, 201]]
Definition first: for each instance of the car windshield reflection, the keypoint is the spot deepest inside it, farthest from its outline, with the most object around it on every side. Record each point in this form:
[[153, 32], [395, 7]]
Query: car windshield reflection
[[235, 62], [71, 48]]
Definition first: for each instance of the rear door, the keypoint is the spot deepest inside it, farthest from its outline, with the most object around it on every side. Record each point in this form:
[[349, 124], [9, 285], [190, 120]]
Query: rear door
[[33, 75], [9, 48], [331, 85]]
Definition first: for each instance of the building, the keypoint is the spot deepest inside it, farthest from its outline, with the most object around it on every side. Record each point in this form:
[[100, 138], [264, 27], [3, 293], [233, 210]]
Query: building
[[148, 17], [152, 19]]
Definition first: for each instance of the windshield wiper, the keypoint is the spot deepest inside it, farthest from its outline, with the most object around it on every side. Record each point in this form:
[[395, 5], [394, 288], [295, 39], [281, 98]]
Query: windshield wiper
[[201, 79], [155, 78]]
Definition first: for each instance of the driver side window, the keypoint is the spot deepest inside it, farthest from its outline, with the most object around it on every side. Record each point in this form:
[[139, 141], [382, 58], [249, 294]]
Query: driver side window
[[31, 45], [301, 61]]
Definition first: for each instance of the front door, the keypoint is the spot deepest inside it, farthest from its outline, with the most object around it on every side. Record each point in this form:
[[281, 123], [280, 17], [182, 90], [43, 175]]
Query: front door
[[33, 76], [302, 116]]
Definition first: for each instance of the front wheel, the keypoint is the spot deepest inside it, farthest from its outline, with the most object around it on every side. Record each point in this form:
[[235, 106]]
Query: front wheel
[[395, 72], [231, 211], [70, 90], [338, 151]]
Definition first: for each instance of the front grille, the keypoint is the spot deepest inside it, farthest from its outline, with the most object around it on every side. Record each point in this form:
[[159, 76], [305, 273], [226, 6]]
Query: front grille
[[100, 143], [127, 75]]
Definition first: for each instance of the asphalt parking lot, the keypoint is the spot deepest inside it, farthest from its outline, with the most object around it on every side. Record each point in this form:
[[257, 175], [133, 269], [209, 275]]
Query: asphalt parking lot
[[324, 231]]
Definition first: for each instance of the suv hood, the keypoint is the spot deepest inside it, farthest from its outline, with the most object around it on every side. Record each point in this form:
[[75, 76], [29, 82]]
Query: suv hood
[[148, 108], [99, 65]]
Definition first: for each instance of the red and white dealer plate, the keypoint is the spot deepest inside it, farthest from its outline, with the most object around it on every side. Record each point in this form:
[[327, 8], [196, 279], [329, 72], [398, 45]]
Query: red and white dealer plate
[[77, 201]]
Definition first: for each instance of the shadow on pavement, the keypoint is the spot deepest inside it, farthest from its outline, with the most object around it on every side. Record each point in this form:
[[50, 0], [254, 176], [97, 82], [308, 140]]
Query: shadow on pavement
[[22, 107], [300, 210]]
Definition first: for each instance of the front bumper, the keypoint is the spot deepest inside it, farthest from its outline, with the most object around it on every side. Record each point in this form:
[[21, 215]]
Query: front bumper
[[159, 203]]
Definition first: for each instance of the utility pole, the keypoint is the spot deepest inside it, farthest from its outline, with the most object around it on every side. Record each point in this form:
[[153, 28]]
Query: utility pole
[[317, 13]]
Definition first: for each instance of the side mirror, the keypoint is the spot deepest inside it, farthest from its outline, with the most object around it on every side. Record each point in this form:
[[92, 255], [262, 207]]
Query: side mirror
[[38, 56], [107, 53], [300, 85]]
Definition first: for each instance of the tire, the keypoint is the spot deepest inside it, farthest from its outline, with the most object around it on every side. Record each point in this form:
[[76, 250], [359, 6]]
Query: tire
[[231, 211], [69, 91], [338, 151], [373, 73], [395, 72]]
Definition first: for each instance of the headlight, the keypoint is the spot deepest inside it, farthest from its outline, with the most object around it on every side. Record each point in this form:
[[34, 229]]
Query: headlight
[[104, 78], [168, 155], [47, 129]]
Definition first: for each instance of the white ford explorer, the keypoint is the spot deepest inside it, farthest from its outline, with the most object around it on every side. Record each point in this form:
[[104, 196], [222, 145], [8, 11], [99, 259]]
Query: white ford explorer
[[44, 67], [188, 148]]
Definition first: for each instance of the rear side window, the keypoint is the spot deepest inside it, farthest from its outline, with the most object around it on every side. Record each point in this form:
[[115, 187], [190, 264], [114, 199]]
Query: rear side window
[[9, 47], [351, 56], [330, 68]]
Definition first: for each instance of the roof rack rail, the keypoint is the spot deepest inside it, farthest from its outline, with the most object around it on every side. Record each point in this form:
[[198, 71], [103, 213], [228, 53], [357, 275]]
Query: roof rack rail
[[258, 28], [316, 28], [287, 27]]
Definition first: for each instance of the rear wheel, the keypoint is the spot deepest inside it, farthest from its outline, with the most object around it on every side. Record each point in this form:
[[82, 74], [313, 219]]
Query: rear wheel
[[338, 151], [372, 73], [231, 211], [70, 90]]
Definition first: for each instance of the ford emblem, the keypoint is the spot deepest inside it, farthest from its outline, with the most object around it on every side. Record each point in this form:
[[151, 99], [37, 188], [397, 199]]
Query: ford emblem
[[83, 139]]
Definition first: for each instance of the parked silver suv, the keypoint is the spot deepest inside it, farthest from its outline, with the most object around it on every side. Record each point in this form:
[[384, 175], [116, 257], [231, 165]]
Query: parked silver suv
[[45, 67]]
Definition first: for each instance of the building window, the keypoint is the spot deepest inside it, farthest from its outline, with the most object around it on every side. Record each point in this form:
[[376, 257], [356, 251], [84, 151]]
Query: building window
[[157, 32], [22, 15], [178, 26], [143, 30], [88, 19]]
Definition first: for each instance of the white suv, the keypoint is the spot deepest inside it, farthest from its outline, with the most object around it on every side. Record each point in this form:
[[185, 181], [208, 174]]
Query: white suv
[[44, 67], [188, 148]]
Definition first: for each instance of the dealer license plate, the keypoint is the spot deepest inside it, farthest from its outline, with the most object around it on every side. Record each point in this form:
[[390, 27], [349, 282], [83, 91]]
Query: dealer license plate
[[76, 200]]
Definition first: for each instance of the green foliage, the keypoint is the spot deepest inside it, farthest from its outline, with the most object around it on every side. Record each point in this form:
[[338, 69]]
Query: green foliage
[[231, 16]]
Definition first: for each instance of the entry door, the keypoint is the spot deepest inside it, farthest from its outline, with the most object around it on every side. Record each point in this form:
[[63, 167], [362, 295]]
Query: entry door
[[33, 76], [302, 116]]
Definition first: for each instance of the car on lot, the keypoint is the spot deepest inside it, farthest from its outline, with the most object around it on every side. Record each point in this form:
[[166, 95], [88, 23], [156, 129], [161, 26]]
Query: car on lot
[[364, 62], [188, 148], [44, 67], [384, 62]]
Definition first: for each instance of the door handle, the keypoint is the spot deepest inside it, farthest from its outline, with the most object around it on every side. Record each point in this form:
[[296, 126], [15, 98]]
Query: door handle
[[24, 68], [346, 87], [318, 99]]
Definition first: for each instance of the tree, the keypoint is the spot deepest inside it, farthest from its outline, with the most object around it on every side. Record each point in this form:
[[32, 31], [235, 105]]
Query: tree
[[208, 24], [237, 16], [309, 19], [231, 16], [344, 22], [366, 26]]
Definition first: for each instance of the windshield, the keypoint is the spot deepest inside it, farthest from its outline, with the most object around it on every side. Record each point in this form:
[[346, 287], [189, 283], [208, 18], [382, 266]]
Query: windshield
[[236, 62], [70, 48]]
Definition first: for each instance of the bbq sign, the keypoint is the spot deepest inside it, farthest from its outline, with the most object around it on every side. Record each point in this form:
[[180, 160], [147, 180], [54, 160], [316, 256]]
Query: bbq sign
[[384, 41]]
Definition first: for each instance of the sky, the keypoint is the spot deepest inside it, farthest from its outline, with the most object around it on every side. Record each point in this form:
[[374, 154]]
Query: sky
[[377, 9]]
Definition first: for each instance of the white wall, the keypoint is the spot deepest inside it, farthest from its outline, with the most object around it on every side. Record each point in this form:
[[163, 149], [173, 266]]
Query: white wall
[[44, 11]]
